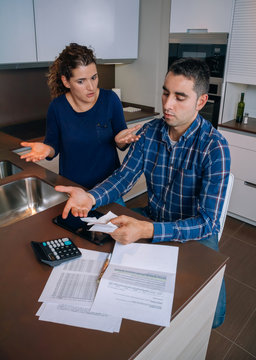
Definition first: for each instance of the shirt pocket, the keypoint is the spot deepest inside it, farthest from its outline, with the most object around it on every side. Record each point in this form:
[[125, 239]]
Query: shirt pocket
[[104, 132]]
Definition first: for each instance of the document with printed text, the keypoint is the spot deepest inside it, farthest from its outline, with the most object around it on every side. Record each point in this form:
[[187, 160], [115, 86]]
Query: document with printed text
[[69, 293], [139, 283]]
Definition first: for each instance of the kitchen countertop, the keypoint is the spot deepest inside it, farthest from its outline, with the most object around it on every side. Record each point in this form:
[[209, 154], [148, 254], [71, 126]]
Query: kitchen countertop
[[246, 128], [24, 336], [146, 112]]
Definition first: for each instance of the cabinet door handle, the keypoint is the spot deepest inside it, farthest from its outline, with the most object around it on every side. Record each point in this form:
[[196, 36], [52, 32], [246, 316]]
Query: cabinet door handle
[[249, 184]]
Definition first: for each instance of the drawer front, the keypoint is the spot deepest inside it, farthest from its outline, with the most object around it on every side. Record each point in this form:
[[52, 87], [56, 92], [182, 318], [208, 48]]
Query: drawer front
[[243, 164], [240, 140], [243, 200], [52, 165]]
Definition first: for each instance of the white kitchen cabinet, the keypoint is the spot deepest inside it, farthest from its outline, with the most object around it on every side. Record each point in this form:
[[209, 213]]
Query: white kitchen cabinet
[[213, 16], [242, 50], [109, 27], [17, 34], [52, 165], [140, 187], [240, 64], [243, 154], [33, 31]]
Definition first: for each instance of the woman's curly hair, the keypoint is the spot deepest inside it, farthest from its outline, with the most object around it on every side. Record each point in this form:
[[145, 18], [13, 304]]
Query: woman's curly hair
[[70, 58]]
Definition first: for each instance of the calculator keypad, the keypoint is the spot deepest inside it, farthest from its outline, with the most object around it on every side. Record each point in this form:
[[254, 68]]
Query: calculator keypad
[[60, 249], [54, 252]]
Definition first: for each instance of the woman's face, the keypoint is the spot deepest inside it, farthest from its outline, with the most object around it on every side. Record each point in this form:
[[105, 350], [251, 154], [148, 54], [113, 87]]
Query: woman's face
[[83, 84]]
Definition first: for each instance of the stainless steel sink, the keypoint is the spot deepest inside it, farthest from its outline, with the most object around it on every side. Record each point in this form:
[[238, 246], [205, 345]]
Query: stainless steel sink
[[25, 197], [7, 168]]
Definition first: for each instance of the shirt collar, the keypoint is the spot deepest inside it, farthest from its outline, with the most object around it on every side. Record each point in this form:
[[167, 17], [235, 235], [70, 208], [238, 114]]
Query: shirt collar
[[187, 134], [165, 133], [193, 128]]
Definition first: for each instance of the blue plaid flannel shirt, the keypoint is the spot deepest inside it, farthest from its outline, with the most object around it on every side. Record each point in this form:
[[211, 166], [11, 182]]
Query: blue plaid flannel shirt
[[186, 182]]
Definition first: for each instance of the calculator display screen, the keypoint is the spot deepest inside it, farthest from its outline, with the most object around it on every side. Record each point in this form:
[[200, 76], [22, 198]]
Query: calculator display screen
[[79, 227]]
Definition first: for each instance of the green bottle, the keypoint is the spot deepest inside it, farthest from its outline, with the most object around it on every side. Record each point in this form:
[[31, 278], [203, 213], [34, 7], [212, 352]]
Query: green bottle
[[240, 109]]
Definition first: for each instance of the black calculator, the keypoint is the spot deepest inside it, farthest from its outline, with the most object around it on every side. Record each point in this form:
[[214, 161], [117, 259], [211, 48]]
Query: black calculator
[[55, 252]]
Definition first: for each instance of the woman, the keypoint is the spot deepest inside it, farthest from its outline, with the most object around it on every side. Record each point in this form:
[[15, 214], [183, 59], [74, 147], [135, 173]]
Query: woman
[[85, 124]]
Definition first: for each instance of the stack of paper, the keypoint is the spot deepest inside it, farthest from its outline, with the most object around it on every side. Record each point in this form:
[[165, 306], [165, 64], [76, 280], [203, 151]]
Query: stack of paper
[[69, 293], [138, 284]]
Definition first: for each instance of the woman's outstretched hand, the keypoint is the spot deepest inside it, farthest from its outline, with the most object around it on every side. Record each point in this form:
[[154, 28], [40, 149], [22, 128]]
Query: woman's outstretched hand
[[39, 151], [125, 137]]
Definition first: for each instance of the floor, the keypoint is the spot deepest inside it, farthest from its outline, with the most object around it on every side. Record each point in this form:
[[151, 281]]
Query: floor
[[236, 338]]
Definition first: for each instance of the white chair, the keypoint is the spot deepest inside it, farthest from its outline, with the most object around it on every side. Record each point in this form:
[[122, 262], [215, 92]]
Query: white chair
[[225, 205]]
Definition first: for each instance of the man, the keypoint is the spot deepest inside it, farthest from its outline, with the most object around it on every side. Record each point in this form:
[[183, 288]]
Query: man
[[186, 163]]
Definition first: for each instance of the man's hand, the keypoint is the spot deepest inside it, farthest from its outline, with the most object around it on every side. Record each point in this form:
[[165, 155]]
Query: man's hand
[[125, 137], [130, 230], [79, 202]]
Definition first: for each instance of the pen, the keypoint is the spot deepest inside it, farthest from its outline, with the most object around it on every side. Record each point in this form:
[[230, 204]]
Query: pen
[[104, 267]]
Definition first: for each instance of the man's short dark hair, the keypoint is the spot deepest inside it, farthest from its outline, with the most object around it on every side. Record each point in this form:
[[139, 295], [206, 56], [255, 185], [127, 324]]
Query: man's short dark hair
[[193, 69]]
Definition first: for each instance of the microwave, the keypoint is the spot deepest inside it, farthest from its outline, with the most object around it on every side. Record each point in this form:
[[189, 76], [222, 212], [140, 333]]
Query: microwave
[[209, 47]]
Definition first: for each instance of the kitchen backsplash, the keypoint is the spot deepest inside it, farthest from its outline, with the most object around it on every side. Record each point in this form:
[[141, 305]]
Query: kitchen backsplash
[[24, 94]]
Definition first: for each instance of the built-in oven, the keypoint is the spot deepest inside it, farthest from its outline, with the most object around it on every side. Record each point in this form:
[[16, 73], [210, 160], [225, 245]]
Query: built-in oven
[[211, 109], [210, 47]]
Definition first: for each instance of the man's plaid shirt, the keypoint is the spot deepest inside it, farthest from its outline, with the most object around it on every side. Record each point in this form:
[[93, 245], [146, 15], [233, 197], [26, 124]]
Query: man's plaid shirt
[[186, 182]]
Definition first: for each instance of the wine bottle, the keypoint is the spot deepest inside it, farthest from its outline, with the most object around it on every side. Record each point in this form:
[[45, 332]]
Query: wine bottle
[[240, 109]]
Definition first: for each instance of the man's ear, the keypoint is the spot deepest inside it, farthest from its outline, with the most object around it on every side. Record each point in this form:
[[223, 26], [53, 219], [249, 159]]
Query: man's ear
[[65, 82], [202, 100]]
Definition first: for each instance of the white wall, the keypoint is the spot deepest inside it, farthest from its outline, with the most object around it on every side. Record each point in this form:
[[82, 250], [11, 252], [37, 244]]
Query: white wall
[[141, 82]]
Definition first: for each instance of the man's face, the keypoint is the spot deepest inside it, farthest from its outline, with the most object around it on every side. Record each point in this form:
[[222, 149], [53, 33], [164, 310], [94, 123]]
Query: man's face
[[180, 103]]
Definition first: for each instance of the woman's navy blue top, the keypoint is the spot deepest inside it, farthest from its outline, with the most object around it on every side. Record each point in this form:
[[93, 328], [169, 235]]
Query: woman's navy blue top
[[85, 140]]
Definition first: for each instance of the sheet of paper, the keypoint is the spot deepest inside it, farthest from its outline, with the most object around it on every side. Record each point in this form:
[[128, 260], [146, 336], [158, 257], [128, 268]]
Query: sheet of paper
[[101, 224], [69, 292], [75, 282], [78, 316], [104, 219], [106, 228], [139, 283]]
